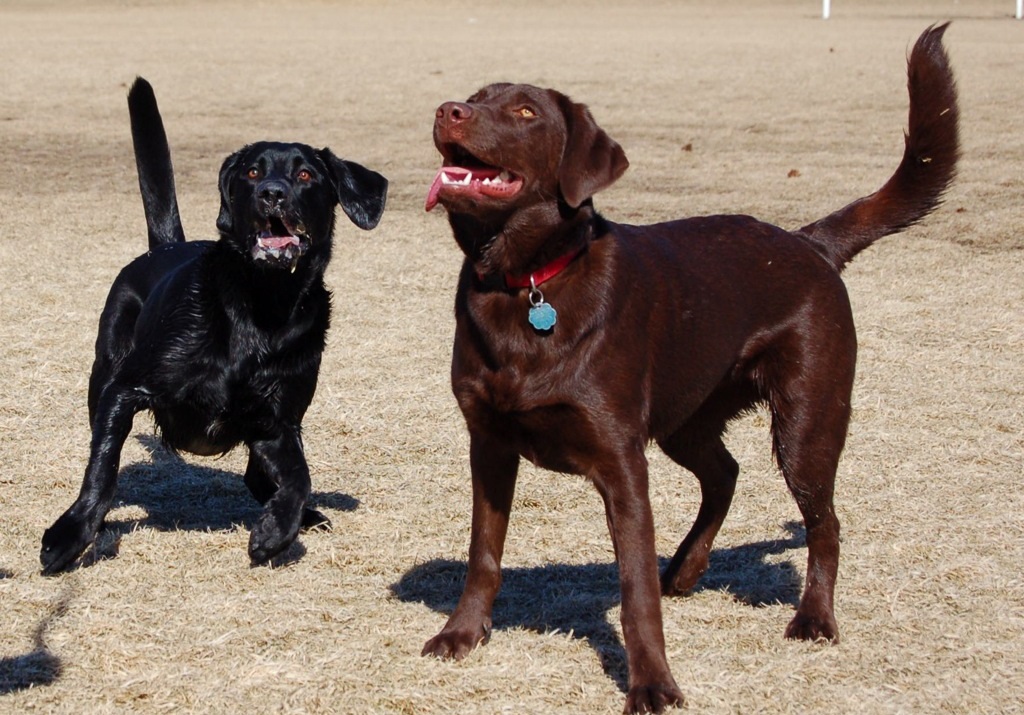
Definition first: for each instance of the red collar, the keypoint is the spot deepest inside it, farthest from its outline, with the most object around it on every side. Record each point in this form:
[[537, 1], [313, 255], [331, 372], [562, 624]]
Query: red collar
[[544, 273]]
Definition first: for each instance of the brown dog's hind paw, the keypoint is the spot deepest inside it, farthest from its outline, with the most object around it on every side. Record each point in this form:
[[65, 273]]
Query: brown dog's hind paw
[[456, 644], [682, 581], [654, 698], [808, 628]]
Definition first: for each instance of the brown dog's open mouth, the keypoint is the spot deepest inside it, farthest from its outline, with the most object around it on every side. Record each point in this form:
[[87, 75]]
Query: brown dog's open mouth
[[473, 182], [279, 243]]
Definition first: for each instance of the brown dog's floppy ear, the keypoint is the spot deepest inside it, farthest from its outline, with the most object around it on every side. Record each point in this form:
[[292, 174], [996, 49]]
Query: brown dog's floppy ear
[[592, 160], [227, 173], [361, 191]]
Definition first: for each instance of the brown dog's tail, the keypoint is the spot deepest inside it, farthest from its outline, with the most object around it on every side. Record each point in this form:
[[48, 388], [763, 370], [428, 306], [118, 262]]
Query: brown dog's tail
[[927, 169], [153, 160]]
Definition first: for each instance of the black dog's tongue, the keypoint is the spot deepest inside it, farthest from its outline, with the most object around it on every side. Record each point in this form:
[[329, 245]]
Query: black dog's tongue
[[268, 241]]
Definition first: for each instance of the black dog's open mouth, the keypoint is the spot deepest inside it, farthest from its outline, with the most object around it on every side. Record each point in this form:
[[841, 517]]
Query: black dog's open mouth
[[463, 175], [279, 242]]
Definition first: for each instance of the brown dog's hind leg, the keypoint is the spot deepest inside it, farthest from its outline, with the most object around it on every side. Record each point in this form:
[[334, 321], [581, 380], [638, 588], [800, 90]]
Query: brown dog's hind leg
[[716, 471], [810, 413]]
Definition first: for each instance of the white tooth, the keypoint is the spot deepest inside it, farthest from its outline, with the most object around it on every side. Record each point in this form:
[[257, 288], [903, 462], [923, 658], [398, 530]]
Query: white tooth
[[503, 176], [464, 181]]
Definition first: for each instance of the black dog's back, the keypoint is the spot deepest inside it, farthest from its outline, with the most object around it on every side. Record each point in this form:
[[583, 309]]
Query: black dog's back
[[153, 160]]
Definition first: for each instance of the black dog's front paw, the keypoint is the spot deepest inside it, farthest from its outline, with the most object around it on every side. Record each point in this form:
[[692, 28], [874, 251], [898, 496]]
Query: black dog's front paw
[[64, 542], [272, 534], [313, 519]]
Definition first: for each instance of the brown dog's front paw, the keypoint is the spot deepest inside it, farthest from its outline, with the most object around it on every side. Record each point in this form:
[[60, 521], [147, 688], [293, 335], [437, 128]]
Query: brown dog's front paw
[[653, 698], [456, 643], [813, 628]]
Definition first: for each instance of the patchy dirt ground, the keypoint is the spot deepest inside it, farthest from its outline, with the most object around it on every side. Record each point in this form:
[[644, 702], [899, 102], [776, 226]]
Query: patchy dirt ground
[[716, 105]]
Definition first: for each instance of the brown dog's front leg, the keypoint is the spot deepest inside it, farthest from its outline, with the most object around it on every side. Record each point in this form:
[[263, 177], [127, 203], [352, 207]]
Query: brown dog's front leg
[[494, 481], [631, 523]]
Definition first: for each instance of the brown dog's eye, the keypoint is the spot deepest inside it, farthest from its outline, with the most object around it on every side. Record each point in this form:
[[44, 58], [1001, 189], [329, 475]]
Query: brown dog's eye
[[304, 175], [526, 112], [254, 173]]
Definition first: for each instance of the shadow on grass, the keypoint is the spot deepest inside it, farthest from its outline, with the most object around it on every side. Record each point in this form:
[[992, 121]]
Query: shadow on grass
[[39, 666], [179, 495], [576, 598]]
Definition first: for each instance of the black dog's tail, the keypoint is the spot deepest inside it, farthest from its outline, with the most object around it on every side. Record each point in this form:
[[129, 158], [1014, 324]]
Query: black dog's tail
[[153, 160], [927, 169]]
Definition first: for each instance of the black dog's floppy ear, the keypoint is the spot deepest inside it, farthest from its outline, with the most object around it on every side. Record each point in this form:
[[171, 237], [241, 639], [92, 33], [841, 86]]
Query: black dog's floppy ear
[[361, 191], [227, 174], [592, 160]]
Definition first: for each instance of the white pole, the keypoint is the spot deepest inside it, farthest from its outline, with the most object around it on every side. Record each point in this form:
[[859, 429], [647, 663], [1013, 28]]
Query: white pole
[[826, 8], [1020, 8]]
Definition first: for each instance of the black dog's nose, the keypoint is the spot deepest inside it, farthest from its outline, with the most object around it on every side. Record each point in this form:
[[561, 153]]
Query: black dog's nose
[[272, 193], [451, 113]]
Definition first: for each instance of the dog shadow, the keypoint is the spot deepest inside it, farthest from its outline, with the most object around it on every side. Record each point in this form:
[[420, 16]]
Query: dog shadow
[[575, 599], [38, 667], [179, 495]]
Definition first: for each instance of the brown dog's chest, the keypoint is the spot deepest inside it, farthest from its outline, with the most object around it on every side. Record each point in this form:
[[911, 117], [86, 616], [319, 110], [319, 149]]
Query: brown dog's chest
[[543, 426], [540, 394]]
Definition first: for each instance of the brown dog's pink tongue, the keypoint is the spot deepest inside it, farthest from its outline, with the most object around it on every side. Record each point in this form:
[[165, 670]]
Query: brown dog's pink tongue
[[448, 175], [435, 188]]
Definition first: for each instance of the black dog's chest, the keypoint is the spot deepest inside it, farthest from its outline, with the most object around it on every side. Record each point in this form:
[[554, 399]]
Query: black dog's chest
[[231, 396]]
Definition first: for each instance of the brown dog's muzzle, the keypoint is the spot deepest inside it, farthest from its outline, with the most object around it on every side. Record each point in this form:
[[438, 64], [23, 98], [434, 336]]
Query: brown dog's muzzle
[[465, 175]]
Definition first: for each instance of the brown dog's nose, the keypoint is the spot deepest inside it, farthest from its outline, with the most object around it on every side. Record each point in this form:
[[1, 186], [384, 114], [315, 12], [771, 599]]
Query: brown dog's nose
[[451, 113]]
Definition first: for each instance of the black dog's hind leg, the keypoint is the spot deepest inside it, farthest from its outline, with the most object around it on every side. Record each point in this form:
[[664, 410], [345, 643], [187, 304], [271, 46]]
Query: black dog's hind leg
[[77, 527], [278, 476], [263, 488]]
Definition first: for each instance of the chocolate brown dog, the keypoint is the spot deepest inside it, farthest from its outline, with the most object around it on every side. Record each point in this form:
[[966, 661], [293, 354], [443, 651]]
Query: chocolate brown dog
[[578, 341]]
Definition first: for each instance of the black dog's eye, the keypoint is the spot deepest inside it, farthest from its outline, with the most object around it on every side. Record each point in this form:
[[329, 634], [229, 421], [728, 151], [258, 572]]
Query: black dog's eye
[[526, 112], [304, 175], [253, 173]]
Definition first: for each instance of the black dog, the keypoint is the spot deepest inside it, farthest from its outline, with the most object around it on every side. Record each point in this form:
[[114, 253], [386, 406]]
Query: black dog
[[221, 340]]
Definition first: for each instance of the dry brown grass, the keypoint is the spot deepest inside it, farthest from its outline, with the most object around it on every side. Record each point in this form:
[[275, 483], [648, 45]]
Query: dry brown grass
[[168, 617]]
